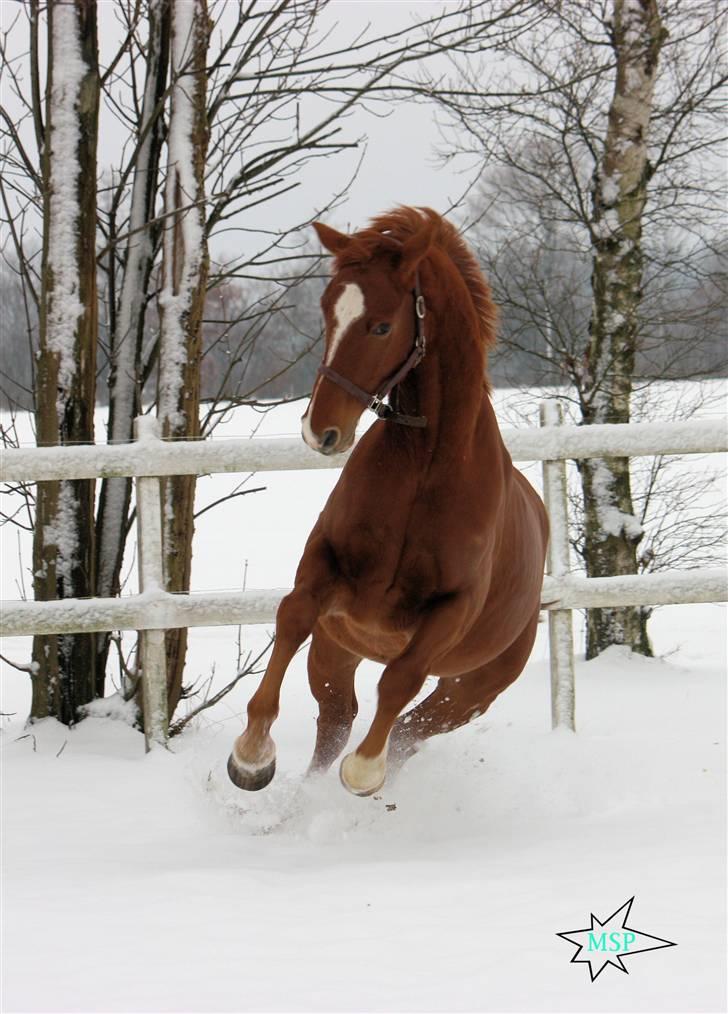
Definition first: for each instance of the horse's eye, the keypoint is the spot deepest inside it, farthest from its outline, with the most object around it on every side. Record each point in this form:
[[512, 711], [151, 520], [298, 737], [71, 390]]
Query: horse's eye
[[381, 329]]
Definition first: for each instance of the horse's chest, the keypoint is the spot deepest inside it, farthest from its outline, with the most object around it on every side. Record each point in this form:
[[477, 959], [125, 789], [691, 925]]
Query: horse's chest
[[379, 601], [394, 554], [387, 573]]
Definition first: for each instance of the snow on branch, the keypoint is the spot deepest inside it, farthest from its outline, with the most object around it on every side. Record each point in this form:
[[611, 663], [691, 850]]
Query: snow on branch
[[184, 240]]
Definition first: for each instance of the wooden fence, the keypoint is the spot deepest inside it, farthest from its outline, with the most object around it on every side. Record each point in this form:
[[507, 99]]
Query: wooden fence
[[153, 610]]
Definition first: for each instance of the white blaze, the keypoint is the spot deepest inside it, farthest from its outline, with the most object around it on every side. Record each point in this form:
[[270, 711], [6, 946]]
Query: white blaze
[[349, 308]]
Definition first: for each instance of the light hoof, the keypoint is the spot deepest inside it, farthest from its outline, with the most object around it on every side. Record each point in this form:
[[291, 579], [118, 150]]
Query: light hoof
[[363, 776], [250, 778]]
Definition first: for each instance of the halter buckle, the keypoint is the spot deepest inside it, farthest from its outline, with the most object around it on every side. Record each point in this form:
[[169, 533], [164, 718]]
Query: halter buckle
[[379, 407], [420, 308]]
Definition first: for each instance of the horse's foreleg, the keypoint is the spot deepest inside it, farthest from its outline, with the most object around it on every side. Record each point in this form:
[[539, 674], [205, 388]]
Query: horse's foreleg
[[363, 772], [252, 763], [331, 671]]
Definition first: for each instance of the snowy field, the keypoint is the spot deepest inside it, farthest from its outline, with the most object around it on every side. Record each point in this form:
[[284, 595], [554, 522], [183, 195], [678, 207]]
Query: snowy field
[[136, 883]]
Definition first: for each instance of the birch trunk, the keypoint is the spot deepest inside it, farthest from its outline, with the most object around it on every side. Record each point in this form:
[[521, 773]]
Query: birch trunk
[[63, 541], [125, 379], [182, 298], [619, 196]]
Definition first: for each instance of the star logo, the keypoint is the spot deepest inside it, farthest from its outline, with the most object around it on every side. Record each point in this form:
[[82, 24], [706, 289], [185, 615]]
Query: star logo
[[609, 942]]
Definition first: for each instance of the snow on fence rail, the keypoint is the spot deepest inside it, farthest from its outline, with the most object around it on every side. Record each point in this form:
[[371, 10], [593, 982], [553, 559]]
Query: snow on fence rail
[[274, 454], [160, 610], [154, 610]]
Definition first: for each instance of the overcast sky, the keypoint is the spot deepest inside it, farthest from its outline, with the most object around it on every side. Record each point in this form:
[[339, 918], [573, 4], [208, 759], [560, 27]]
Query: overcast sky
[[399, 164]]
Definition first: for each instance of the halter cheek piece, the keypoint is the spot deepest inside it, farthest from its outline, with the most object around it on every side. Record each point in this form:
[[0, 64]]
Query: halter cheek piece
[[376, 402]]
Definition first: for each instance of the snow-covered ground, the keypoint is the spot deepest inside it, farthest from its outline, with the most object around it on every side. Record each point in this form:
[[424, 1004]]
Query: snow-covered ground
[[149, 883]]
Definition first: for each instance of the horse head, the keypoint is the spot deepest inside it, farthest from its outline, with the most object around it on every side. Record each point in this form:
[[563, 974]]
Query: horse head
[[370, 326]]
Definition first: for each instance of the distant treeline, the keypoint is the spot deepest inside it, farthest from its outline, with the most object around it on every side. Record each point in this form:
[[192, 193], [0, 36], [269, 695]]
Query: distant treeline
[[262, 341]]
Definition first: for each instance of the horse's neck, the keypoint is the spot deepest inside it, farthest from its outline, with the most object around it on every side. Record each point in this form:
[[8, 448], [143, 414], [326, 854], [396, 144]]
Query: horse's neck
[[448, 388]]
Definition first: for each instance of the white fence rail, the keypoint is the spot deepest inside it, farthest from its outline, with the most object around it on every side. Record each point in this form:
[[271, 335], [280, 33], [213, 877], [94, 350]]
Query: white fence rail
[[155, 610], [160, 610], [274, 454]]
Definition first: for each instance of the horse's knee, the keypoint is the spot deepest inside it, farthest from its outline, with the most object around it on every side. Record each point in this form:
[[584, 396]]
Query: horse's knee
[[296, 617]]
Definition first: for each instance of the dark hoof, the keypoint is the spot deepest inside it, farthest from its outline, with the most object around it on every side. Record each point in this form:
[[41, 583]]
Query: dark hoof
[[250, 780]]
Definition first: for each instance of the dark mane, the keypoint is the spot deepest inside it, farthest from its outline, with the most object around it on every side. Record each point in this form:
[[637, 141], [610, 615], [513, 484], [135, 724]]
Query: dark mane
[[388, 231]]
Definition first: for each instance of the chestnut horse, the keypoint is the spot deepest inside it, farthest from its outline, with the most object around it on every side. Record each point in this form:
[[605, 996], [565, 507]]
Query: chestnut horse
[[429, 554]]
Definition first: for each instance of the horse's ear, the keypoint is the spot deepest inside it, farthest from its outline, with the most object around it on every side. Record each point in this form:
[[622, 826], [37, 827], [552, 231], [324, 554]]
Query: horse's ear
[[332, 240], [414, 250]]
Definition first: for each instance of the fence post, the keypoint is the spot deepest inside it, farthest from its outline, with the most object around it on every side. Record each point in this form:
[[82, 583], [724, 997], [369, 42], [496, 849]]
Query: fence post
[[152, 650], [561, 634]]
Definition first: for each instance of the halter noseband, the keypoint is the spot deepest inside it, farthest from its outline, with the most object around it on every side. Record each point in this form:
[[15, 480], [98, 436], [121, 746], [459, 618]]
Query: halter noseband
[[376, 402]]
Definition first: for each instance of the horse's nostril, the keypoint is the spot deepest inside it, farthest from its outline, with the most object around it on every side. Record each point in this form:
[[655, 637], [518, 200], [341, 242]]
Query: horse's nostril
[[329, 440]]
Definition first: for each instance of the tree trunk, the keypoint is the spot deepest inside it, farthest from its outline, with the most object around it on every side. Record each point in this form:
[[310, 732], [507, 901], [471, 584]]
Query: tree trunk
[[125, 378], [63, 542], [184, 266], [619, 195]]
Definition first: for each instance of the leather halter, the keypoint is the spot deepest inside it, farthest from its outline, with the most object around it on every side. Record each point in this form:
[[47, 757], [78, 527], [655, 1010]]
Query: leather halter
[[376, 402]]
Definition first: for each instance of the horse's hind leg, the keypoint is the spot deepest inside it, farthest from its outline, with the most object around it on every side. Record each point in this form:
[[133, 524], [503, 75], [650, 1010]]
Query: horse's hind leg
[[331, 671], [456, 700]]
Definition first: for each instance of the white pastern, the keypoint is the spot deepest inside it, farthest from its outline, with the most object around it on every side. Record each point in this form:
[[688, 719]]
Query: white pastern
[[265, 756], [349, 308], [363, 775]]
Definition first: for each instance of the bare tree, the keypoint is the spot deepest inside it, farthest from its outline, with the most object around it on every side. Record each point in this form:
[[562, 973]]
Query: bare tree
[[64, 673], [606, 133], [182, 298], [127, 313], [619, 195], [245, 97]]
